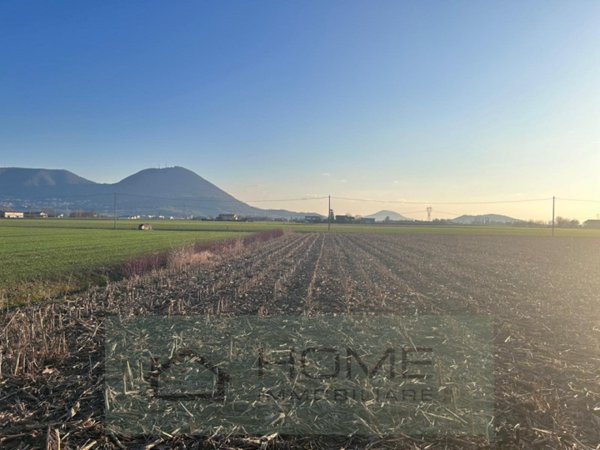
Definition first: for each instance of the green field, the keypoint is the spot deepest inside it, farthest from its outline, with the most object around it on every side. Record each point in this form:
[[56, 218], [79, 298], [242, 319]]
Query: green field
[[41, 258], [31, 252], [249, 227], [45, 258]]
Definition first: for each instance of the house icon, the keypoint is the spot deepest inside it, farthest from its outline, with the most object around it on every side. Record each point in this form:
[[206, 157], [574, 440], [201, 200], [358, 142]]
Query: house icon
[[166, 386]]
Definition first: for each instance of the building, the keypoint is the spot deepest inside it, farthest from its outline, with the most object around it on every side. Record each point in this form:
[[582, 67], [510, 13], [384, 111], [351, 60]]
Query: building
[[228, 217], [365, 220], [12, 214], [344, 219], [592, 223], [36, 215], [313, 219]]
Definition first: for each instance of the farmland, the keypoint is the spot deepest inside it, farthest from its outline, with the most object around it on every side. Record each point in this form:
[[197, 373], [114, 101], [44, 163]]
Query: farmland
[[540, 292], [379, 228], [45, 258], [38, 261]]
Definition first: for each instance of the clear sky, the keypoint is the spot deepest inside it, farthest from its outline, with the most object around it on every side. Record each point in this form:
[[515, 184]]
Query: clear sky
[[418, 100]]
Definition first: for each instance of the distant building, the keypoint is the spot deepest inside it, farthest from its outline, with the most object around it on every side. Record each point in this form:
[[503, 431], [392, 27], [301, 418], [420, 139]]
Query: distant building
[[12, 214], [313, 219], [344, 219], [36, 215], [592, 223], [365, 220], [228, 217]]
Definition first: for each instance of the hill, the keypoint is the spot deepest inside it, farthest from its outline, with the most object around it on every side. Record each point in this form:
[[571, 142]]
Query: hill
[[22, 182], [485, 219], [172, 191], [381, 216]]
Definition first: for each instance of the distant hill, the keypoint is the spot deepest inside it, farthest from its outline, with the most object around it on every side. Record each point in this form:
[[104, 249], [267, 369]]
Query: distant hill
[[19, 181], [381, 216], [177, 191], [172, 191], [170, 182], [485, 219]]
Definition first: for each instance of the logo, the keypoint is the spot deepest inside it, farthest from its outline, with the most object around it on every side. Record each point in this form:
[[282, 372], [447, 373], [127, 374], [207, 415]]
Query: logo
[[326, 375]]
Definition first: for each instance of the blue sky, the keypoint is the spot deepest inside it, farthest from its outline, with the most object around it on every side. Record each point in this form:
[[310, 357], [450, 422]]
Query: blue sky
[[431, 101]]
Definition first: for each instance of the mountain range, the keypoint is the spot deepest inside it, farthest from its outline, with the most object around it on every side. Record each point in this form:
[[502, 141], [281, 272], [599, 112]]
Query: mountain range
[[482, 219], [171, 191]]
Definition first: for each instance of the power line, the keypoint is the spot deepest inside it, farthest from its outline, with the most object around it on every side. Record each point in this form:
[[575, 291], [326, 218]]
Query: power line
[[448, 213], [410, 212], [109, 196], [286, 199], [577, 200], [413, 202]]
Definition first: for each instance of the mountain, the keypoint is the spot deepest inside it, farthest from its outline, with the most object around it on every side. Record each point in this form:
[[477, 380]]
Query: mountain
[[485, 219], [177, 191], [20, 182], [381, 216], [170, 182], [172, 191]]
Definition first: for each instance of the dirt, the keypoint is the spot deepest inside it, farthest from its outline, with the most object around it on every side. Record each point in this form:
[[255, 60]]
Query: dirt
[[543, 295]]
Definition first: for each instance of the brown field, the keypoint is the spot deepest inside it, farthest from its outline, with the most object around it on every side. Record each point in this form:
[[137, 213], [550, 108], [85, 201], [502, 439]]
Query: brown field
[[542, 293]]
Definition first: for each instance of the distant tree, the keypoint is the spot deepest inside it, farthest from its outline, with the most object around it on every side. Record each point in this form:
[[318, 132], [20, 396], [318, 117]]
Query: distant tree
[[533, 223], [83, 214], [563, 222]]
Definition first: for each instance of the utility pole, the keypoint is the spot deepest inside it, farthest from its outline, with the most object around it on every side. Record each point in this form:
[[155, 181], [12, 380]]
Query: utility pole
[[553, 210], [114, 211], [329, 214]]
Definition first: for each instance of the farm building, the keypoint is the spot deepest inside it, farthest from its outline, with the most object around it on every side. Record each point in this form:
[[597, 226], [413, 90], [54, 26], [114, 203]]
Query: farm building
[[365, 220], [228, 217], [313, 219], [35, 215], [12, 214], [592, 223], [344, 219]]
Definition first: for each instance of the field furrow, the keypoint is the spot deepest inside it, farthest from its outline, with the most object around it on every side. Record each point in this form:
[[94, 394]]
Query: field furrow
[[542, 295]]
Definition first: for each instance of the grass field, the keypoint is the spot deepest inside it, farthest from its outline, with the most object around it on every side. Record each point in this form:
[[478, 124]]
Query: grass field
[[196, 225], [42, 258], [30, 253]]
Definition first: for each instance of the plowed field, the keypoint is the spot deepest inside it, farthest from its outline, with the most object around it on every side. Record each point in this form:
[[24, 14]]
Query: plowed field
[[543, 295]]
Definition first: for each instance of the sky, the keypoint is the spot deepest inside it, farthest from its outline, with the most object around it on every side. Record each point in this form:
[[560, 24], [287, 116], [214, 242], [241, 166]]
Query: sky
[[426, 102]]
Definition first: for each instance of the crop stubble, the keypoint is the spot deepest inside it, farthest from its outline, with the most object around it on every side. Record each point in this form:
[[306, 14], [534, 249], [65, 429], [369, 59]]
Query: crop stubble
[[543, 296]]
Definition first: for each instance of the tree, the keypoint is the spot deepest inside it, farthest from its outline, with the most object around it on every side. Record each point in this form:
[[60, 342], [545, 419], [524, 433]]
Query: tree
[[563, 222]]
